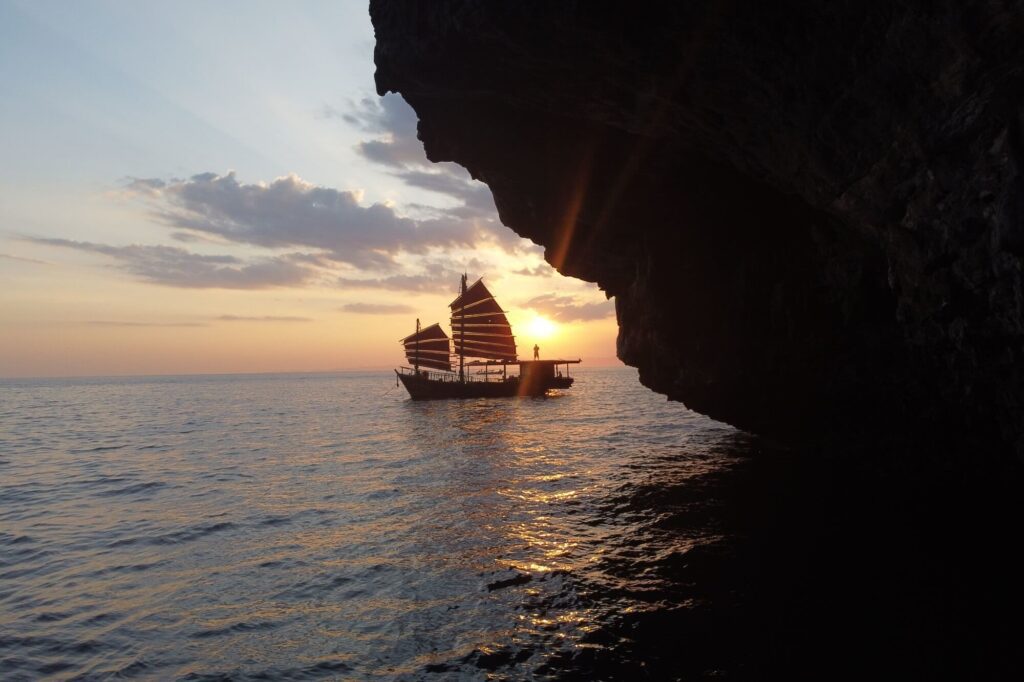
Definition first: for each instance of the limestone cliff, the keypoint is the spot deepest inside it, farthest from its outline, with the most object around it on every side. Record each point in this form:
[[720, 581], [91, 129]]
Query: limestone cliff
[[811, 215]]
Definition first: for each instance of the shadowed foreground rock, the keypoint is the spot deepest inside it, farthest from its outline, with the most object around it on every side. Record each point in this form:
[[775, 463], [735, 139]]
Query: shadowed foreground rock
[[811, 215]]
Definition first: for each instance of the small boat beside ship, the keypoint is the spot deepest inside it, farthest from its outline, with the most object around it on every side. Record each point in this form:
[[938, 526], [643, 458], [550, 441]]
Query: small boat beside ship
[[485, 348]]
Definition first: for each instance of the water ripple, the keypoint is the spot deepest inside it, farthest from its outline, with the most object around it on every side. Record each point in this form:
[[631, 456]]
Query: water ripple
[[323, 526]]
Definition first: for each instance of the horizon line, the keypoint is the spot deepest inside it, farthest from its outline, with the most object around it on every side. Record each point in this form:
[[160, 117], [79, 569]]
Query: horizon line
[[606, 361]]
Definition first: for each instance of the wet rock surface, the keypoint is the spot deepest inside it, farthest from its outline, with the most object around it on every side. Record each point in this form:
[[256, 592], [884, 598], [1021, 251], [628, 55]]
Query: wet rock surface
[[811, 217]]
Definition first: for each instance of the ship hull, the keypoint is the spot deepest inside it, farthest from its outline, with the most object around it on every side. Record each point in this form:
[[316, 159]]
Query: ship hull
[[423, 388]]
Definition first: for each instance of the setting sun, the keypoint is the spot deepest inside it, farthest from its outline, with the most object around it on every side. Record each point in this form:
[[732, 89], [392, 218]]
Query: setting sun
[[540, 328]]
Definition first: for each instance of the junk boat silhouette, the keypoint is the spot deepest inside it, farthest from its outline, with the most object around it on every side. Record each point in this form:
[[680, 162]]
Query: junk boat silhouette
[[486, 349]]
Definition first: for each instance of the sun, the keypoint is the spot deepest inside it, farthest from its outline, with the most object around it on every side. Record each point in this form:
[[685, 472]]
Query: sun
[[540, 328]]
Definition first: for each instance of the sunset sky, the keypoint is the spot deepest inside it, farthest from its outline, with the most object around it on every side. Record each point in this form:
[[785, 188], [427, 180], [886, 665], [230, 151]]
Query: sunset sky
[[216, 187]]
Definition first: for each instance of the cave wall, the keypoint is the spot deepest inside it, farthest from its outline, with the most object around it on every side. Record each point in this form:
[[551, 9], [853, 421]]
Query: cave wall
[[811, 216]]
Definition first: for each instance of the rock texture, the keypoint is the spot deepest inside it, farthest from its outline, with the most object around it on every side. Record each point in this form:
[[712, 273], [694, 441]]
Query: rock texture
[[811, 215]]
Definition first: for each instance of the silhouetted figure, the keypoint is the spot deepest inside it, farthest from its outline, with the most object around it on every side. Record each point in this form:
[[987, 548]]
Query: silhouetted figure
[[536, 352]]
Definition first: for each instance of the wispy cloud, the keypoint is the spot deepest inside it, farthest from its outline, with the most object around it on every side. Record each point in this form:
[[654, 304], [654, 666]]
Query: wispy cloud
[[426, 283], [221, 318], [176, 267], [23, 259], [394, 122], [435, 276], [569, 309], [120, 323], [455, 182], [542, 270], [263, 318], [377, 309]]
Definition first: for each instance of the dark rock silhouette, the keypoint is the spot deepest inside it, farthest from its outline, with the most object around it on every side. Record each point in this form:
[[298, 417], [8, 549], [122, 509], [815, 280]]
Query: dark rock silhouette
[[811, 215]]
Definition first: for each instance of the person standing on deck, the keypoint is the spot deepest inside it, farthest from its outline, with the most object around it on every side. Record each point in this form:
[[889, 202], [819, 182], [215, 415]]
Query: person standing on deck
[[536, 352]]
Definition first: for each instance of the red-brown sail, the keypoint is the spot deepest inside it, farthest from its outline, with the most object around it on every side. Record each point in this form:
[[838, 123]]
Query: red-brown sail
[[479, 326], [429, 348]]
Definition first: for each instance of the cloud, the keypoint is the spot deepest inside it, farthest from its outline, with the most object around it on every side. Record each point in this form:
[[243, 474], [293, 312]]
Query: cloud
[[369, 246], [395, 123], [413, 283], [23, 259], [436, 277], [377, 309], [188, 237], [334, 226], [398, 148], [542, 270], [263, 318], [222, 318], [568, 309], [176, 267], [119, 323], [455, 182], [290, 212], [145, 186]]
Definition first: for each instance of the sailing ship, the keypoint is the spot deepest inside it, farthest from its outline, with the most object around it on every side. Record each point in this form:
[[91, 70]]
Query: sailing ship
[[483, 343]]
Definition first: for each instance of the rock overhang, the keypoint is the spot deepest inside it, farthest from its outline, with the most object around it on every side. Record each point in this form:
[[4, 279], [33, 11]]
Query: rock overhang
[[811, 217]]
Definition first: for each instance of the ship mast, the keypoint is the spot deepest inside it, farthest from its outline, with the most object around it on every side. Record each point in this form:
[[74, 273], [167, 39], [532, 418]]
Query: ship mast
[[462, 334], [416, 357]]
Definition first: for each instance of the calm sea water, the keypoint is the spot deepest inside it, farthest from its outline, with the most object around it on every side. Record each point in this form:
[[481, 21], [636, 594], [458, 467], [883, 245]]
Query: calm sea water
[[323, 525]]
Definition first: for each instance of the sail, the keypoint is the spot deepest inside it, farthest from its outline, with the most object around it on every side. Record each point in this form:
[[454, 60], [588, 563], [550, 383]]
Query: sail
[[428, 348], [479, 326]]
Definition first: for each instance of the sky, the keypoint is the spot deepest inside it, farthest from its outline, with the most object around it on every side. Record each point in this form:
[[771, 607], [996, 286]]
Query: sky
[[198, 187]]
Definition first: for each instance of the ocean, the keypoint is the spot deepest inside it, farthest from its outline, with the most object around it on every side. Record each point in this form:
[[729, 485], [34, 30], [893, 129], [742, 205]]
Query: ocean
[[323, 525]]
